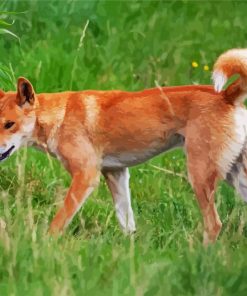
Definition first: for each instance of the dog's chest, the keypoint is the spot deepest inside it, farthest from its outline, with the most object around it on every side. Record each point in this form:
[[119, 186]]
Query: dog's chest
[[52, 142]]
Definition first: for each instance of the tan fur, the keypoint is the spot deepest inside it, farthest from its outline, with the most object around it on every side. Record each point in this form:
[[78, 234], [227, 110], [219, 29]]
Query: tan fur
[[107, 131]]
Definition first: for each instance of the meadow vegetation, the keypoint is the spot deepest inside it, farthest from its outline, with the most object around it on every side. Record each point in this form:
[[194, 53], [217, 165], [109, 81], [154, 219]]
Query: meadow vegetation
[[128, 45]]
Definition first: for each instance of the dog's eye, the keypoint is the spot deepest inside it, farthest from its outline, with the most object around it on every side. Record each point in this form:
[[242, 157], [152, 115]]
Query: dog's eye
[[8, 124]]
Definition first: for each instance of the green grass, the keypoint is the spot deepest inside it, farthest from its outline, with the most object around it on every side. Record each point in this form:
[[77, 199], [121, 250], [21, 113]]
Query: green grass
[[128, 45]]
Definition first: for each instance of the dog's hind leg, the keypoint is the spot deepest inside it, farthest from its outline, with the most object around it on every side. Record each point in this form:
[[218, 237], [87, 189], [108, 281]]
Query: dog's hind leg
[[118, 183], [203, 177], [237, 176], [205, 190]]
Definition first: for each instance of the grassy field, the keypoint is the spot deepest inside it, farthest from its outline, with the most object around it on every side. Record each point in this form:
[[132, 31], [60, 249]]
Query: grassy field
[[127, 45]]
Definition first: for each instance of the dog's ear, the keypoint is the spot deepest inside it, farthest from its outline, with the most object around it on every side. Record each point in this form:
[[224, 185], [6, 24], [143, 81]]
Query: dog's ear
[[25, 92]]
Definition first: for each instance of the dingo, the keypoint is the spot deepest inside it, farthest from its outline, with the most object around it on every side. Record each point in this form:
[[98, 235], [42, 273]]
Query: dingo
[[93, 132]]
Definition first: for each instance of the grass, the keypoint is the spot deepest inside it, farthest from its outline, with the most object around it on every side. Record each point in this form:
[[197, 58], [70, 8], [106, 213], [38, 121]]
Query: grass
[[127, 45]]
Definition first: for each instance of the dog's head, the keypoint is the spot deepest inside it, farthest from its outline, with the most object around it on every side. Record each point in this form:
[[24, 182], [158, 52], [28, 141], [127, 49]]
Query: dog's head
[[17, 118]]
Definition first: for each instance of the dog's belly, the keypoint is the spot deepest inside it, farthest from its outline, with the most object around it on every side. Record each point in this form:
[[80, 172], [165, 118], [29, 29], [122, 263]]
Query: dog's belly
[[126, 159]]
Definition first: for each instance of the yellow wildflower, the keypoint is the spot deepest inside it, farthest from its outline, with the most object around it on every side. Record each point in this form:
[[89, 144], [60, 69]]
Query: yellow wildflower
[[194, 64], [206, 68]]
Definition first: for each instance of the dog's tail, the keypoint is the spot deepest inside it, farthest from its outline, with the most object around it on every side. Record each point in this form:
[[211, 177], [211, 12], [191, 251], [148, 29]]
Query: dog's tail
[[229, 63]]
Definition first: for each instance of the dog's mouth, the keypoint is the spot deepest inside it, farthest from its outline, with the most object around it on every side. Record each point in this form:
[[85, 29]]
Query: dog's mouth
[[6, 153]]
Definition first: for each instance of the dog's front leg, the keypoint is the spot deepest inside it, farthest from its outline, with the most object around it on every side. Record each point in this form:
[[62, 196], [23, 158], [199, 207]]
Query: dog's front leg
[[79, 157], [82, 185], [118, 183]]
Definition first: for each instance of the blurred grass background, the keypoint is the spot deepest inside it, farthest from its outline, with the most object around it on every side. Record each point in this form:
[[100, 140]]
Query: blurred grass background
[[128, 45]]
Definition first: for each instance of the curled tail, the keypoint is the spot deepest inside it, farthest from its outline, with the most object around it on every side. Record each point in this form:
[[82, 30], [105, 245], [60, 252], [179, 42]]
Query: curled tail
[[232, 62]]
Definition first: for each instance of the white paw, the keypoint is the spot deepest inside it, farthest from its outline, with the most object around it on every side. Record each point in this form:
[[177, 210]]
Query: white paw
[[126, 222]]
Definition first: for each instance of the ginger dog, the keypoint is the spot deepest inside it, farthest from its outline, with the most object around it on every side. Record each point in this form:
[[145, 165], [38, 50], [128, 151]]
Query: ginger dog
[[94, 132]]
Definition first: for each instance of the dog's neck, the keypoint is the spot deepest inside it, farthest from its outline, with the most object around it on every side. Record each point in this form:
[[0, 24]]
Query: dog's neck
[[48, 121]]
